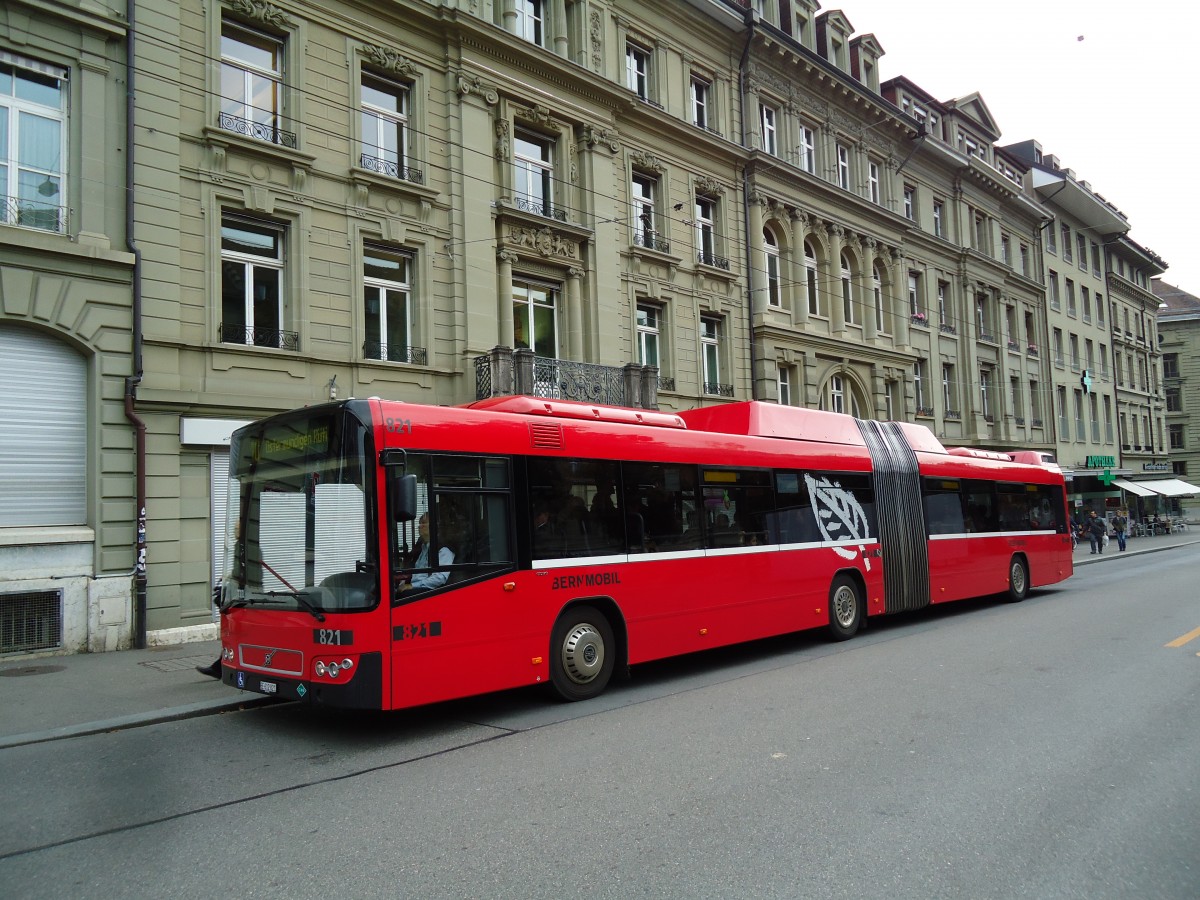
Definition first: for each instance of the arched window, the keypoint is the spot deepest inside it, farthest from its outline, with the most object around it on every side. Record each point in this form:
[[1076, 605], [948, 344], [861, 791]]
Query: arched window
[[848, 303], [774, 283], [810, 280]]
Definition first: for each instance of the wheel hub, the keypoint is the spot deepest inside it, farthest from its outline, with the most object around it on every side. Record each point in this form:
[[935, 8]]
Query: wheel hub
[[583, 653]]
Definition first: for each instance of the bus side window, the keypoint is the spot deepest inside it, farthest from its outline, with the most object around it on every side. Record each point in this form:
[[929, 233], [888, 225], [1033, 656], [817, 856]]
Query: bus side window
[[943, 506]]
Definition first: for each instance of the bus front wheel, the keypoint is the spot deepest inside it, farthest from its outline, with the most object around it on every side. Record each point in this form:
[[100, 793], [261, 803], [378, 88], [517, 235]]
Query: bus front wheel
[[581, 654], [845, 608]]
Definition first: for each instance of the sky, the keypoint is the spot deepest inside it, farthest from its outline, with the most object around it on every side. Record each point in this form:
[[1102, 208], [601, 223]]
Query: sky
[[1107, 87]]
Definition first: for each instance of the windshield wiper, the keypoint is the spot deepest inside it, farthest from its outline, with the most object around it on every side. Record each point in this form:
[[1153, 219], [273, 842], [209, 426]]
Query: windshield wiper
[[248, 601], [304, 602]]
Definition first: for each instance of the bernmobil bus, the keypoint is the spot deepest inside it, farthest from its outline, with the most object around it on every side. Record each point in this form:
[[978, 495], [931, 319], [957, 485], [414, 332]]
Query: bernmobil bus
[[382, 555]]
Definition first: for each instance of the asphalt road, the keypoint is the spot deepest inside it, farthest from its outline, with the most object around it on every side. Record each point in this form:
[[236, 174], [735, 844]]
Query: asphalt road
[[1046, 749]]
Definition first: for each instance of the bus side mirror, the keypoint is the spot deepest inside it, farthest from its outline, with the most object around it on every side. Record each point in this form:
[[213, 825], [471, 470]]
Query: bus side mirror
[[404, 498]]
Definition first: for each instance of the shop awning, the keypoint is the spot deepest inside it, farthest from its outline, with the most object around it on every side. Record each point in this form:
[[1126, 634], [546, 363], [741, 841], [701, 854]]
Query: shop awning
[[1133, 487], [1171, 487]]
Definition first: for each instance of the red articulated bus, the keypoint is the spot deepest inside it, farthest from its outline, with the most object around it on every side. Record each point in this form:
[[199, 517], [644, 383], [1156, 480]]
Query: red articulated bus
[[383, 555]]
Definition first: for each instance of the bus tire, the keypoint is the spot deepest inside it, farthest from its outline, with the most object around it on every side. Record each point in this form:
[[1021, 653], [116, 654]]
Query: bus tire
[[582, 654], [845, 608], [1018, 579]]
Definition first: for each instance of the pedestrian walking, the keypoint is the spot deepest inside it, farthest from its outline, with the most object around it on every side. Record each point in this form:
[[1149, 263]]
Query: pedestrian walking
[[1120, 523], [1097, 529]]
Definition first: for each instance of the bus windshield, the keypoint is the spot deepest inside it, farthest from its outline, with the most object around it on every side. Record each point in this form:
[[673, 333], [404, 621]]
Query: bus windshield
[[300, 524]]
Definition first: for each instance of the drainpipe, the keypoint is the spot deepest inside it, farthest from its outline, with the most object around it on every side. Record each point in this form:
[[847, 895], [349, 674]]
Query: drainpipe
[[132, 382], [751, 20]]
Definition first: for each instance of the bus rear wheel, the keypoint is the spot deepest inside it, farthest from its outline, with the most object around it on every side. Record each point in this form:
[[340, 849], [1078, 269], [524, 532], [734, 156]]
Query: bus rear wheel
[[581, 654], [845, 608], [1018, 579]]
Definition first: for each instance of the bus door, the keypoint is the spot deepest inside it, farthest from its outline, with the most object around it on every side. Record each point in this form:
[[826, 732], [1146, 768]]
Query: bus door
[[447, 594]]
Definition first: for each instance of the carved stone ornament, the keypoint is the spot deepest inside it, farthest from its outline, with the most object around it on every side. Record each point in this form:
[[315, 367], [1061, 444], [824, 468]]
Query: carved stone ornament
[[601, 134], [261, 11], [543, 241], [646, 162], [471, 84], [538, 115], [596, 33], [390, 60], [503, 144], [709, 186]]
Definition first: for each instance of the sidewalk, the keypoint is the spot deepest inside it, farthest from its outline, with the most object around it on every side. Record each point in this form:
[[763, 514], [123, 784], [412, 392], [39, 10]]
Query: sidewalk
[[53, 697]]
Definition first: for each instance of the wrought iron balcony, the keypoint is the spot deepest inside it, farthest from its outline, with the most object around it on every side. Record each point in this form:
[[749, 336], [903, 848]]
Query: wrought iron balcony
[[1035, 423], [391, 169], [33, 214], [259, 337], [926, 411], [1019, 420], [540, 209], [653, 241], [258, 130], [1031, 350], [985, 336], [709, 259], [989, 418], [953, 415], [503, 372], [947, 329], [666, 384], [1014, 346], [718, 390], [392, 353], [920, 319]]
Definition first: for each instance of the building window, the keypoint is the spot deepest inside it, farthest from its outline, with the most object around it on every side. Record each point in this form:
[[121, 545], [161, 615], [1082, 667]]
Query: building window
[[387, 297], [836, 398], [701, 90], [877, 296], [645, 223], [982, 241], [948, 392], [649, 333], [533, 173], [1100, 309], [1025, 260], [919, 388], [1052, 284], [1086, 296], [535, 317], [985, 393], [910, 202], [252, 304], [1073, 343], [843, 166], [1064, 421], [1170, 364], [873, 181], [531, 21], [1072, 311], [32, 145], [637, 70], [710, 350], [1035, 404], [808, 150], [1095, 259], [1079, 424], [252, 85], [384, 118], [770, 137], [848, 300], [943, 292], [1065, 234], [706, 233], [983, 315], [1005, 250], [810, 280], [1081, 251], [914, 297], [938, 228], [774, 282], [1051, 241], [784, 380]]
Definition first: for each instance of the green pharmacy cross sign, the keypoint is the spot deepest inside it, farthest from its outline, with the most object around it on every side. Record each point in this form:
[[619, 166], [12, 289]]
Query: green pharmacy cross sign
[[1108, 478]]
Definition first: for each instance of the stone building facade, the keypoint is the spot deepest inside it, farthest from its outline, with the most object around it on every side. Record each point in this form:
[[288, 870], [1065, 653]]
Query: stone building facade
[[67, 477]]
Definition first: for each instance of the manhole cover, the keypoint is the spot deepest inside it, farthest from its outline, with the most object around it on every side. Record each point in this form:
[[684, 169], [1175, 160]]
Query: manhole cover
[[17, 671]]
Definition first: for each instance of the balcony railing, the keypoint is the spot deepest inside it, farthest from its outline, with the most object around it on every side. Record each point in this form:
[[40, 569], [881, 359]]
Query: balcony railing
[[504, 372], [666, 384], [986, 336], [391, 353], [709, 259], [1014, 346], [1032, 350], [718, 390], [391, 169], [541, 209], [260, 131], [1018, 420], [653, 241], [946, 328], [919, 319], [1035, 423], [953, 415], [259, 337], [926, 411], [33, 214]]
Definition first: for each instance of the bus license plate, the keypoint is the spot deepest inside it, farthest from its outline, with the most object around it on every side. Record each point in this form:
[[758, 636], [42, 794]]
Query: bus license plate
[[267, 687]]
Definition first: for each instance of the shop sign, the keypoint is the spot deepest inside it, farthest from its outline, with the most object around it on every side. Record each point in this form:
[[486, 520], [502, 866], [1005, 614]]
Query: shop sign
[[1100, 462], [1156, 467]]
